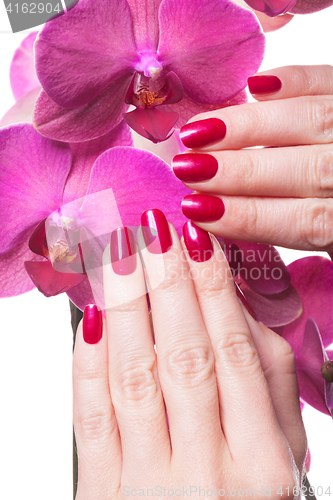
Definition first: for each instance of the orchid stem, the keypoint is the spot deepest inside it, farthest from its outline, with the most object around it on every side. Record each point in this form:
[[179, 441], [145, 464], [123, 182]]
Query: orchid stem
[[76, 316], [307, 488]]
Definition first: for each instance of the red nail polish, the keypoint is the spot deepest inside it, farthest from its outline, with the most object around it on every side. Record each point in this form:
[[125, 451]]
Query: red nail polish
[[202, 133], [194, 167], [92, 324], [264, 84], [123, 251], [155, 231], [198, 242], [203, 207]]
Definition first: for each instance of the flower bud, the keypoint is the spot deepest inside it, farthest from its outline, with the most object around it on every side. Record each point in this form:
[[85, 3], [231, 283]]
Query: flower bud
[[327, 371]]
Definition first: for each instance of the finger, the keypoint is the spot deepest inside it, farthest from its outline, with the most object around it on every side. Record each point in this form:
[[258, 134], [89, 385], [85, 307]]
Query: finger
[[303, 171], [241, 381], [185, 357], [285, 122], [279, 365], [134, 384], [292, 81], [96, 431], [303, 224]]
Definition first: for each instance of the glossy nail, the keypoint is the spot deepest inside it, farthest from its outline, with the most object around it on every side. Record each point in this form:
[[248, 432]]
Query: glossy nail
[[198, 242], [264, 84], [194, 167], [92, 324], [202, 207], [155, 231], [123, 251], [202, 133]]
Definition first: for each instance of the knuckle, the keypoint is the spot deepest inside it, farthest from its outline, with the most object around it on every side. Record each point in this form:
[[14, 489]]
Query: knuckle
[[190, 365], [137, 384], [317, 230], [322, 117], [237, 349], [322, 169], [95, 424]]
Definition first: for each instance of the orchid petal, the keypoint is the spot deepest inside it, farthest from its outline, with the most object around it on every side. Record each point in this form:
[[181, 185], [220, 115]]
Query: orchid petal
[[211, 68], [139, 181], [87, 122], [165, 150], [271, 8], [145, 22], [50, 282], [33, 172], [309, 360], [14, 279], [152, 123], [81, 295], [308, 7], [86, 153], [22, 111], [79, 54], [262, 267], [313, 279], [270, 24], [187, 108], [23, 78], [273, 310]]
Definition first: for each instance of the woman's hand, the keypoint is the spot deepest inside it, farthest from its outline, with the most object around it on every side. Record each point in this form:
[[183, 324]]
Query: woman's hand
[[280, 194], [216, 406]]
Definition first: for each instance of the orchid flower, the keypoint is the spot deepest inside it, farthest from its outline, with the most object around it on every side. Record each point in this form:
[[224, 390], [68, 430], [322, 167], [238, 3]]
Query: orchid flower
[[79, 192], [274, 8], [312, 332], [170, 59]]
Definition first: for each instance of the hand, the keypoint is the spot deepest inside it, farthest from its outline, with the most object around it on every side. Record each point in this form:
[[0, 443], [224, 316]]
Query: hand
[[226, 383], [280, 194]]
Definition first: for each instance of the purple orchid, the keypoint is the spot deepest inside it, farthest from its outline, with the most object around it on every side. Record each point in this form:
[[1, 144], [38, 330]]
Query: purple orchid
[[171, 59], [311, 333], [83, 195], [274, 8]]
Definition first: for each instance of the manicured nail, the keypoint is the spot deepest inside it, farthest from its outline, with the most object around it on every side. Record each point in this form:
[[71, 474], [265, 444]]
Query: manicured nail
[[92, 324], [198, 242], [123, 251], [155, 231], [202, 133], [194, 167], [264, 84], [202, 207]]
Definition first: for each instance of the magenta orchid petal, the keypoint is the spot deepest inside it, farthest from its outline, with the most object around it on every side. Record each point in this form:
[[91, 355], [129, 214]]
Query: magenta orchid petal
[[79, 54], [87, 122], [273, 310], [33, 172], [187, 108], [313, 279], [140, 181], [154, 124], [271, 8], [262, 267], [86, 153], [14, 279], [50, 282], [310, 6], [23, 109], [309, 360], [81, 295], [145, 22], [23, 78], [212, 65]]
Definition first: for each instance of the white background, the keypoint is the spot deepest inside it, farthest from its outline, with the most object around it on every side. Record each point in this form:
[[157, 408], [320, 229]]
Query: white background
[[36, 338]]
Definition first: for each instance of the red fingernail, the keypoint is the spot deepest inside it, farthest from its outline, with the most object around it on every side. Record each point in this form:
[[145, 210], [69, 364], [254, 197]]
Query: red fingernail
[[92, 324], [264, 84], [202, 207], [202, 133], [198, 242], [123, 251], [194, 167], [155, 231]]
